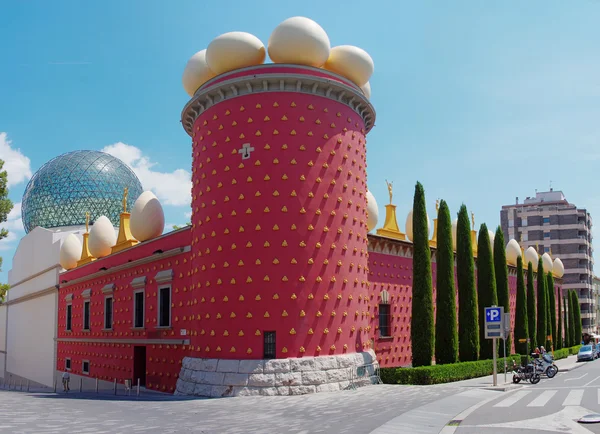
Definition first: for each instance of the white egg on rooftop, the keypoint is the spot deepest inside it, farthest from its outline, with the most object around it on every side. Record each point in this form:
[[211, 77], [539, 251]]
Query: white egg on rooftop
[[196, 73], [234, 50], [351, 62], [300, 41]]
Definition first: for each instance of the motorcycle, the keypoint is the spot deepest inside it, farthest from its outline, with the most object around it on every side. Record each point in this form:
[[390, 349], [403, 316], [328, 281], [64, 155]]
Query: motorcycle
[[545, 366], [526, 373]]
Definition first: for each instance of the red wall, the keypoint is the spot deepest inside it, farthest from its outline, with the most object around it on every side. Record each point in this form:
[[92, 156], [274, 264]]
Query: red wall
[[280, 239]]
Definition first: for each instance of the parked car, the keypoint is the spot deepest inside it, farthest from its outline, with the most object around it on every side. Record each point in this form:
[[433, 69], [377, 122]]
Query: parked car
[[586, 352]]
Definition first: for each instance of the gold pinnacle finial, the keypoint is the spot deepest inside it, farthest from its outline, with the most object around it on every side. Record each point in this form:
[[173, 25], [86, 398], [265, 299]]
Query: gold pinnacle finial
[[390, 186], [437, 205], [87, 222], [125, 192], [473, 219]]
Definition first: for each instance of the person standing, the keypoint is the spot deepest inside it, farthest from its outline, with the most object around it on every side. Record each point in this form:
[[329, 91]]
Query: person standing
[[66, 377]]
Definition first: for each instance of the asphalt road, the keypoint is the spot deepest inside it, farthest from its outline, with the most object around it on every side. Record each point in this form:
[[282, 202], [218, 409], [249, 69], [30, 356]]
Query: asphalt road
[[552, 405]]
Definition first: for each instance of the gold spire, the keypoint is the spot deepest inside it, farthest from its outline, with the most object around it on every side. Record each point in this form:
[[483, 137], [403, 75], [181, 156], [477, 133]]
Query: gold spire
[[473, 219], [433, 240], [390, 226], [86, 256], [125, 239], [473, 235]]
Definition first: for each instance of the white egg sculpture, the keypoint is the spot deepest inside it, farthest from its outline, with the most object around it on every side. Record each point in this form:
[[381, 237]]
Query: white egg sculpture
[[147, 217], [454, 231], [196, 73], [547, 261], [70, 252], [558, 268], [351, 62], [409, 225], [366, 89], [492, 237], [372, 211], [513, 251], [531, 255], [301, 41], [102, 237], [234, 50]]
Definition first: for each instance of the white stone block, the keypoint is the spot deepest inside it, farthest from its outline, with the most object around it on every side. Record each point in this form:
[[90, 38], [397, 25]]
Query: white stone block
[[288, 379], [313, 377], [202, 390], [337, 375], [246, 391], [234, 379], [283, 391], [328, 387], [221, 391], [197, 376], [302, 390], [262, 380], [185, 387], [277, 365], [185, 362], [213, 378], [195, 364], [303, 364], [346, 360], [324, 363], [209, 365], [268, 391], [226, 365], [251, 367]]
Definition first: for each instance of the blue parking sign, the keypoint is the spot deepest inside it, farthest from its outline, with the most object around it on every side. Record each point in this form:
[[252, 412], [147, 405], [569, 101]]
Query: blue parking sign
[[493, 314]]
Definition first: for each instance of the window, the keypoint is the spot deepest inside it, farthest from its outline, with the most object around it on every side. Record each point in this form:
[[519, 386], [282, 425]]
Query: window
[[546, 220], [546, 234], [69, 317], [525, 236], [524, 221], [138, 309], [511, 223], [108, 313], [164, 307], [546, 249], [86, 315], [384, 320], [270, 348], [67, 364], [85, 367]]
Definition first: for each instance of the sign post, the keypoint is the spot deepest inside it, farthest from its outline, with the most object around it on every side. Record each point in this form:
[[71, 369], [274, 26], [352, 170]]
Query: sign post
[[494, 329]]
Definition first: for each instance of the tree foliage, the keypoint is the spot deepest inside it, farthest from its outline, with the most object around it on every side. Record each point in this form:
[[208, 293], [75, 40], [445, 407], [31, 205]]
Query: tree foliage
[[542, 309], [421, 331], [6, 206], [446, 332], [577, 328], [572, 340], [486, 288], [521, 320], [531, 309], [468, 326], [501, 273]]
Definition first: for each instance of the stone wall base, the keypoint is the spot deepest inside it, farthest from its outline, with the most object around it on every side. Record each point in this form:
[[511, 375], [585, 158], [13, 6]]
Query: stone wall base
[[295, 376]]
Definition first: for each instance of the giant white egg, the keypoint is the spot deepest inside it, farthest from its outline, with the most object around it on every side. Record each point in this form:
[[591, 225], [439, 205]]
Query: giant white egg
[[102, 237], [558, 268], [147, 217], [531, 255], [70, 252], [513, 251], [366, 89], [300, 41], [196, 73], [454, 231], [234, 50], [351, 62], [372, 211], [492, 237], [409, 225], [547, 261]]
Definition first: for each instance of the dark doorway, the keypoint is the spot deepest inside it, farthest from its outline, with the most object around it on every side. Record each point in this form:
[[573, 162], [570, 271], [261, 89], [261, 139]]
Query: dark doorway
[[139, 366]]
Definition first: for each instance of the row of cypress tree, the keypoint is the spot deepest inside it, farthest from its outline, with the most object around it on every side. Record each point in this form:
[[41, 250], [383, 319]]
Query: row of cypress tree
[[451, 340], [572, 319]]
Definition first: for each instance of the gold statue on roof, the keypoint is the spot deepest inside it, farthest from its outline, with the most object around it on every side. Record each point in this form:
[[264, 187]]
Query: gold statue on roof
[[437, 205], [473, 219], [390, 186], [87, 222], [125, 193]]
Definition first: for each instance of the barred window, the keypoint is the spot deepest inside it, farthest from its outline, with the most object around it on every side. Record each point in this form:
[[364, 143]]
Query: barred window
[[384, 320]]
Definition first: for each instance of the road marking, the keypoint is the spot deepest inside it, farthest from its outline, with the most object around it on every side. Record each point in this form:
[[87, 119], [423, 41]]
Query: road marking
[[573, 398], [578, 378], [543, 399], [590, 382], [512, 399]]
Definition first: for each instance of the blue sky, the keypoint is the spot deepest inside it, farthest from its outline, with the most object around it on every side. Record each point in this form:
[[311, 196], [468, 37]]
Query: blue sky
[[480, 101]]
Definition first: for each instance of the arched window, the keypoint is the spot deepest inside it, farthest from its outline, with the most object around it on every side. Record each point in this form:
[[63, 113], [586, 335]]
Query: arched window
[[385, 329]]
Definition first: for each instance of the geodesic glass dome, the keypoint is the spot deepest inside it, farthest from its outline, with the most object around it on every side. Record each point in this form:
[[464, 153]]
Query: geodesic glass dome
[[68, 186]]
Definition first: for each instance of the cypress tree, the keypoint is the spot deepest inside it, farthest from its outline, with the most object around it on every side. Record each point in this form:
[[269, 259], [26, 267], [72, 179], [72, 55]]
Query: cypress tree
[[552, 303], [548, 343], [559, 333], [542, 310], [577, 319], [521, 320], [501, 272], [446, 331], [468, 326], [571, 319], [531, 310], [421, 331], [486, 288]]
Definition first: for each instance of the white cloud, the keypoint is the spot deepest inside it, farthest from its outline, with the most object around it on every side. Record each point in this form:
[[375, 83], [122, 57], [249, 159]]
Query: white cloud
[[17, 165], [172, 188], [14, 225], [188, 215]]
